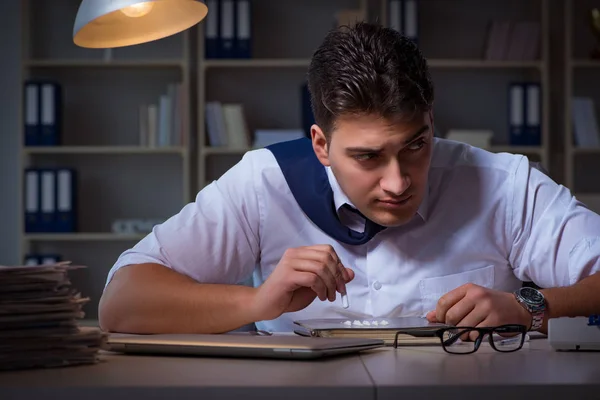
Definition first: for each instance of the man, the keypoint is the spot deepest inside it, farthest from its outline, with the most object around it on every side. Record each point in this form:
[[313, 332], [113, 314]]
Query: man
[[373, 206]]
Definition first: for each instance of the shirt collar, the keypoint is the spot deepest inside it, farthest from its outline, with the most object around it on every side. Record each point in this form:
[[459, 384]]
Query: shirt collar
[[423, 209], [340, 198]]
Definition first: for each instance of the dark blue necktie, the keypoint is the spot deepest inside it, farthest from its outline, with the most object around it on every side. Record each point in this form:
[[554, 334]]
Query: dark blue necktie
[[308, 182], [371, 228]]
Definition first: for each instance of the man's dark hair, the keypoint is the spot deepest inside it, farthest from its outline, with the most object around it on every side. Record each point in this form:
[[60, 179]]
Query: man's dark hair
[[368, 69]]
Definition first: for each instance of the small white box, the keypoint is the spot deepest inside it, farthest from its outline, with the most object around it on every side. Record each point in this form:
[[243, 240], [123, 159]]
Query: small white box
[[573, 333]]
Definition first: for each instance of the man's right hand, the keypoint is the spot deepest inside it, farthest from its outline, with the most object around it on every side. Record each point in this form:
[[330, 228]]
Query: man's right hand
[[302, 274]]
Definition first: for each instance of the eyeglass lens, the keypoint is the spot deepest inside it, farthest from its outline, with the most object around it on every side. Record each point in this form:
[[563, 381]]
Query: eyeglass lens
[[452, 342], [504, 339]]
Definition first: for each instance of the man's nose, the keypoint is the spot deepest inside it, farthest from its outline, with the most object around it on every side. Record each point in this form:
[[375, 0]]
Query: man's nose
[[394, 181]]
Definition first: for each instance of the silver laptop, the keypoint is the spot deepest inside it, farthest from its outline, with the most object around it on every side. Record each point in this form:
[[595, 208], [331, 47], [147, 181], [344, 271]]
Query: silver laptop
[[239, 345]]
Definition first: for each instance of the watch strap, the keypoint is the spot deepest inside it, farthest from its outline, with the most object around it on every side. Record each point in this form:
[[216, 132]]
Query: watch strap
[[537, 312], [537, 320]]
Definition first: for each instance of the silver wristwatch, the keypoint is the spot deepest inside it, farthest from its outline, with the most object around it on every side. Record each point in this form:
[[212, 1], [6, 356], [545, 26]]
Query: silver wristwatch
[[533, 301]]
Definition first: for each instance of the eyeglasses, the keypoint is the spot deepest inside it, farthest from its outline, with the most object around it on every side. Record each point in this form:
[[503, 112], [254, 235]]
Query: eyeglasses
[[456, 339]]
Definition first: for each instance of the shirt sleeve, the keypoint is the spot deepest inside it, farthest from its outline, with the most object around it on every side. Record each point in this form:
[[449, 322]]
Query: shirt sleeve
[[556, 238], [214, 239]]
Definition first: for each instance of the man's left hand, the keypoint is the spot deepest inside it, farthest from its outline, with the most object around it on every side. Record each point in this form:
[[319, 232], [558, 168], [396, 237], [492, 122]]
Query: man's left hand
[[476, 306]]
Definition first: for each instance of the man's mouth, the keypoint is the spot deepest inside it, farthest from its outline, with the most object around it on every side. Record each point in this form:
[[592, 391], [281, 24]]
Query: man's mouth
[[395, 202]]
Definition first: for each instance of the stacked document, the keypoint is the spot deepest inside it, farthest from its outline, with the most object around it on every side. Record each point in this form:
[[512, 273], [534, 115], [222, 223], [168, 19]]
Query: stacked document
[[39, 310], [411, 330]]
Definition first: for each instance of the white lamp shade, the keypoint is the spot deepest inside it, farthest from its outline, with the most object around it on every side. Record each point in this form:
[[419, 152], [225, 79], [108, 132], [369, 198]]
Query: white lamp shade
[[102, 24]]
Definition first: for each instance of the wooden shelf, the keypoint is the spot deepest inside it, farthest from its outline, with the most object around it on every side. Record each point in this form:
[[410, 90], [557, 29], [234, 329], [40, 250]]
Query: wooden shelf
[[304, 63], [66, 63], [257, 63], [585, 63], [80, 237], [101, 150], [517, 149], [476, 63], [585, 150], [224, 151]]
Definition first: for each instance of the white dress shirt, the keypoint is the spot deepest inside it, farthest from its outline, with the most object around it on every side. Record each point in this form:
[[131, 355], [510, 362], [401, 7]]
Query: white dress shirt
[[487, 218]]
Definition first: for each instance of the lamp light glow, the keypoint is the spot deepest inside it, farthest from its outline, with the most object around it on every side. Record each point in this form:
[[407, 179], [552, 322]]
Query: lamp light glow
[[138, 10], [117, 23]]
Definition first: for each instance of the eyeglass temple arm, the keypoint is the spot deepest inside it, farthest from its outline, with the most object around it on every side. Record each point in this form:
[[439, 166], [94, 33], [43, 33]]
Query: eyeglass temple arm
[[415, 333]]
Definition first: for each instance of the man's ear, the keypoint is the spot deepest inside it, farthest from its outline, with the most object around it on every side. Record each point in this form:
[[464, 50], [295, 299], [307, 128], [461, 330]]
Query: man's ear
[[320, 145]]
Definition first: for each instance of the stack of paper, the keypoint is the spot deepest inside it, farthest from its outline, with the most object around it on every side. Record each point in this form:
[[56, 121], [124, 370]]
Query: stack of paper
[[412, 330], [39, 310]]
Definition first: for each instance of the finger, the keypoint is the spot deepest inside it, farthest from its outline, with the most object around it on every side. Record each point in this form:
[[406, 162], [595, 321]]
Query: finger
[[349, 273], [448, 300], [337, 268], [312, 253], [484, 323], [341, 278], [431, 316], [337, 263], [315, 267], [331, 251], [334, 264], [329, 259], [345, 273], [310, 280], [459, 311], [472, 319]]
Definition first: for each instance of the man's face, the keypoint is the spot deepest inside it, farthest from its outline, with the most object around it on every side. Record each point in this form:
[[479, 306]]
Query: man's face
[[381, 166]]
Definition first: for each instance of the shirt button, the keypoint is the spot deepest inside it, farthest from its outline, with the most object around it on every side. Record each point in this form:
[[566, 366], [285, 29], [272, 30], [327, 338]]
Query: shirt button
[[376, 285]]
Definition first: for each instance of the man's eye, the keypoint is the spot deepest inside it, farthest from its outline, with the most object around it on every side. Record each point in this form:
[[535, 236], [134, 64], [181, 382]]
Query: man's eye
[[365, 157], [418, 145]]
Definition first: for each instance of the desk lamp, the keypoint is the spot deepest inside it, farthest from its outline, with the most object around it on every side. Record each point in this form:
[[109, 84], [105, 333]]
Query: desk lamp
[[118, 23]]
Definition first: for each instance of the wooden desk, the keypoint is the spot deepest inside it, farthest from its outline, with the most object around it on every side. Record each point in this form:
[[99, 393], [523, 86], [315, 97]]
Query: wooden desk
[[535, 372], [128, 377]]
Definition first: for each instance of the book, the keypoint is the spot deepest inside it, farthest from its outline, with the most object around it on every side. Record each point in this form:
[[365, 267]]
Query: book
[[414, 330]]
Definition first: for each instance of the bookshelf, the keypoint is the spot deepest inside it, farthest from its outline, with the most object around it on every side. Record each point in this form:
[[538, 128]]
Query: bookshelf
[[149, 63], [118, 177], [276, 71], [264, 63], [484, 64], [458, 66], [31, 150], [582, 75], [82, 237], [281, 58]]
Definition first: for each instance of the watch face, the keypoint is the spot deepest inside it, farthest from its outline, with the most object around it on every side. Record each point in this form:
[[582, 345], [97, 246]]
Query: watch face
[[532, 296]]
